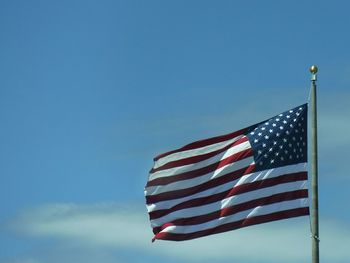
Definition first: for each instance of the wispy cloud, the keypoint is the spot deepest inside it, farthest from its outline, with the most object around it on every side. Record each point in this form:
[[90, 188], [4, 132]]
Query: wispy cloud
[[99, 224], [111, 227]]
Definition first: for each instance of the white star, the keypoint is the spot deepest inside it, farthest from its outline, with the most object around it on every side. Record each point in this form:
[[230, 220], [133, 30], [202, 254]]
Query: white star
[[261, 163], [263, 128], [266, 123], [284, 139], [277, 153], [290, 145], [264, 145], [252, 133], [290, 157], [297, 155], [266, 137], [271, 131], [285, 151], [282, 158], [274, 142], [300, 108], [280, 115], [256, 140], [288, 116], [277, 119], [291, 125], [259, 133], [281, 146], [296, 131], [265, 155], [299, 124], [259, 152], [297, 113], [272, 161], [294, 120], [293, 138], [281, 127], [270, 150], [285, 122], [290, 111], [273, 124], [287, 132]]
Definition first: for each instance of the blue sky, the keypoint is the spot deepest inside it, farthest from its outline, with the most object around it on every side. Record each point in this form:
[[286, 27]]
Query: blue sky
[[91, 91]]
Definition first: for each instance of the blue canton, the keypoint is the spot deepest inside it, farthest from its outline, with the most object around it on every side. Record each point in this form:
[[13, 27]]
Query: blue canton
[[281, 140]]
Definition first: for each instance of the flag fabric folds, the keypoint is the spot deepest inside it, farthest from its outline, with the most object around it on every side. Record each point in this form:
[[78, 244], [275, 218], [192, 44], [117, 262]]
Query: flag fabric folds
[[255, 175]]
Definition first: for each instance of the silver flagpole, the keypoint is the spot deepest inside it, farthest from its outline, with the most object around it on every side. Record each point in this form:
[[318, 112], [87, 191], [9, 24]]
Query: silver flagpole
[[314, 169]]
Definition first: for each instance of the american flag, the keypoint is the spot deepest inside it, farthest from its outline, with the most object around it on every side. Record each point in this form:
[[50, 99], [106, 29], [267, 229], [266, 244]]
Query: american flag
[[252, 176]]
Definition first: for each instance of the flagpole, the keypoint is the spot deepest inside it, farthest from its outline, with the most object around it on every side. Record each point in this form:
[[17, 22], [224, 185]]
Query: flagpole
[[314, 168]]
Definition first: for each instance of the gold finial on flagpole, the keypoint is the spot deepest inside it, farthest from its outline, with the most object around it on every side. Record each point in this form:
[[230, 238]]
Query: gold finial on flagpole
[[313, 69]]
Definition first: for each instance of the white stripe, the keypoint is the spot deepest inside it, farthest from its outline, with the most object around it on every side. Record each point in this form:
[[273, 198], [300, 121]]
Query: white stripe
[[194, 166], [230, 201], [261, 175], [272, 173], [184, 184], [258, 211], [194, 152]]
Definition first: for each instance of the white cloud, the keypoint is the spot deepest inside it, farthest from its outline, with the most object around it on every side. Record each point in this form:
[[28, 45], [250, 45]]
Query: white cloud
[[115, 227], [101, 224]]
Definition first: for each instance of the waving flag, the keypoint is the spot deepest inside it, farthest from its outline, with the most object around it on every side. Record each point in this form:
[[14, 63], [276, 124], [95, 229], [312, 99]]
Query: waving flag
[[255, 175]]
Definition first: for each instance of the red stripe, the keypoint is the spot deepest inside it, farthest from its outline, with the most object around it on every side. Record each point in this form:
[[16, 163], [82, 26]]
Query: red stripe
[[151, 199], [197, 158], [236, 190], [235, 225], [286, 196], [201, 171], [203, 143]]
